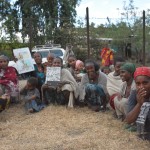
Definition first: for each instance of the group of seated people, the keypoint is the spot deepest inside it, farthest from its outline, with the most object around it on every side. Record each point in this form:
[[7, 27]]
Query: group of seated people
[[125, 90]]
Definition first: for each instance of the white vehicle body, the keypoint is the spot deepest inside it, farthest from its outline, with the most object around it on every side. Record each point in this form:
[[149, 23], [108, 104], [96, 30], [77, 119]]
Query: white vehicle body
[[44, 51]]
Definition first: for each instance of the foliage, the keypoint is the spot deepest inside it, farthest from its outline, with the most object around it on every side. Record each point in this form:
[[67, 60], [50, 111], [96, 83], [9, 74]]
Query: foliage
[[80, 53], [8, 22], [47, 18], [7, 48], [38, 19], [54, 20]]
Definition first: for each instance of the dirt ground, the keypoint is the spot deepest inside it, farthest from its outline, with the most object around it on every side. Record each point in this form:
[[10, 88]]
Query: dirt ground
[[60, 128]]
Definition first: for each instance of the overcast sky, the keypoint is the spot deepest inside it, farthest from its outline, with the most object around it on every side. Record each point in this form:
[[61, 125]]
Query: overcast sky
[[107, 8]]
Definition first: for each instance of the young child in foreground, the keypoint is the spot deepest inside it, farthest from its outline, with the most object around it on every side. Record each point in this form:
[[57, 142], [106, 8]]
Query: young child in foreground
[[31, 95]]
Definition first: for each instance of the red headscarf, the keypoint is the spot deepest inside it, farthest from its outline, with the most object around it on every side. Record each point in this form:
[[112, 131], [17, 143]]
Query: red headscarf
[[142, 71]]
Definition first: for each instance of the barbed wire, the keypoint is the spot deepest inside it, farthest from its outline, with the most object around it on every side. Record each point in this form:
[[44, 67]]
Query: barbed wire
[[67, 18]]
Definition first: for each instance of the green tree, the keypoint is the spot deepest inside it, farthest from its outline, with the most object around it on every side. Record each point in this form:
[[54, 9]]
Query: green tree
[[47, 18], [8, 22]]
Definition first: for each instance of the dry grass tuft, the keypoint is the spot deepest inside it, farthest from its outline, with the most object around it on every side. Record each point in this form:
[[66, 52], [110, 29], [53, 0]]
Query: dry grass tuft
[[59, 128]]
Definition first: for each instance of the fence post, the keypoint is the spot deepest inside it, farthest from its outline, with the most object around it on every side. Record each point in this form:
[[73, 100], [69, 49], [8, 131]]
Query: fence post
[[30, 33], [87, 24], [143, 38]]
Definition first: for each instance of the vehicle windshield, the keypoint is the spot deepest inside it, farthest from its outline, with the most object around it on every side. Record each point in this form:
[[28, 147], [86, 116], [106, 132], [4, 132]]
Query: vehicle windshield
[[57, 52], [43, 53]]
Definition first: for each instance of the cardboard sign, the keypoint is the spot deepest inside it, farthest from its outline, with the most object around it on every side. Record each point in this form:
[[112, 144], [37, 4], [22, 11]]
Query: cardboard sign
[[53, 75], [24, 60]]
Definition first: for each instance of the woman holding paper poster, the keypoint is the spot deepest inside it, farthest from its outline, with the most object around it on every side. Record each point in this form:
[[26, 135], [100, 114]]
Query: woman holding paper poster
[[8, 79], [65, 91]]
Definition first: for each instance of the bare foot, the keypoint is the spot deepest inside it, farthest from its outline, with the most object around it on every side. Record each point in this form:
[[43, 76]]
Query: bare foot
[[30, 110]]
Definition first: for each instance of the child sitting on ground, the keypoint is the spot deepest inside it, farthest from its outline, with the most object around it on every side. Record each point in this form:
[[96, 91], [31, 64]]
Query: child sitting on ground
[[32, 96]]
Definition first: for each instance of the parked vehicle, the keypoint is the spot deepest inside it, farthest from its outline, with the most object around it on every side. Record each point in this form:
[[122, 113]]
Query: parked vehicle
[[44, 50]]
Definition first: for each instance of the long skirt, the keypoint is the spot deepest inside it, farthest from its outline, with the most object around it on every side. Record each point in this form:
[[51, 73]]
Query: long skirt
[[95, 96], [121, 106], [52, 96]]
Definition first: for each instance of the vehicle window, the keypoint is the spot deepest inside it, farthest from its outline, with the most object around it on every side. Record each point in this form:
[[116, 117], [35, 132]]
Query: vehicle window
[[57, 52], [44, 54]]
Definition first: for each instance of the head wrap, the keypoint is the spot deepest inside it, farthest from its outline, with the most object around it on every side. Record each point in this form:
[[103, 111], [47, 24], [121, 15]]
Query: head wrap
[[4, 57], [130, 67], [78, 62], [142, 71]]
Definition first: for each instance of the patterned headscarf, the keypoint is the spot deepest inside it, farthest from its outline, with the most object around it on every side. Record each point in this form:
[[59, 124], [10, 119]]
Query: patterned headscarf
[[130, 67], [142, 71]]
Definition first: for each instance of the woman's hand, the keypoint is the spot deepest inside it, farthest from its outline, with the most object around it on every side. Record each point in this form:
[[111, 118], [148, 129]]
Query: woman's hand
[[5, 96], [141, 93], [15, 59], [119, 97]]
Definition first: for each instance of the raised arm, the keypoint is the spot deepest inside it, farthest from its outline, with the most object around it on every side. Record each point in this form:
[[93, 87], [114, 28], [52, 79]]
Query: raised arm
[[133, 114]]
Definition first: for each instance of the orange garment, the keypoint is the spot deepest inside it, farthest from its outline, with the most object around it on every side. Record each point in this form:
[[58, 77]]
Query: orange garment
[[107, 57]]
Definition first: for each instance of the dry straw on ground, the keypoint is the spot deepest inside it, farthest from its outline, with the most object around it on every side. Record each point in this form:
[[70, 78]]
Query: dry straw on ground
[[59, 128]]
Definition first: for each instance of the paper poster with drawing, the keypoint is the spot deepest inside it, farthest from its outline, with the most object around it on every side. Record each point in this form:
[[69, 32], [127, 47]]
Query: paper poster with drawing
[[53, 75], [24, 60]]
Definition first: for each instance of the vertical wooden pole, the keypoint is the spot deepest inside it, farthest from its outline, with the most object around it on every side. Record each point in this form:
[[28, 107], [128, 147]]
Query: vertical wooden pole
[[30, 33], [143, 38], [88, 38]]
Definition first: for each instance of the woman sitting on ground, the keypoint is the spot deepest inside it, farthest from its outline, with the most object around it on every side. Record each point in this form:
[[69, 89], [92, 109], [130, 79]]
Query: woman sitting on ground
[[141, 112], [39, 70], [121, 101], [93, 87], [114, 81], [8, 80], [67, 88]]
